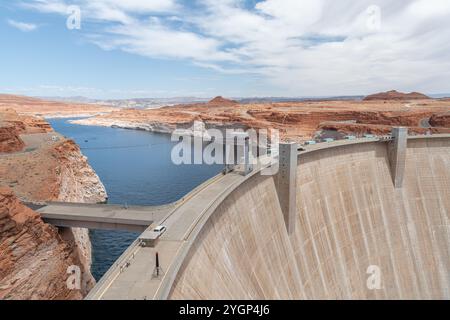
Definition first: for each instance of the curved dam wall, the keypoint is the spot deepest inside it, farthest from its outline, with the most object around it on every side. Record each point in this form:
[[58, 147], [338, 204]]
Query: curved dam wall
[[351, 229]]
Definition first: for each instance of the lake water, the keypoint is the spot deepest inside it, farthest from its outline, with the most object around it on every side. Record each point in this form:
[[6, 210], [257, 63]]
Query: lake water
[[136, 169]]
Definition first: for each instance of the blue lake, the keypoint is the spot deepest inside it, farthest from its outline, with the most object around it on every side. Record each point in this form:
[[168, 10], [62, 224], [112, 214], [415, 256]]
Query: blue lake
[[136, 169]]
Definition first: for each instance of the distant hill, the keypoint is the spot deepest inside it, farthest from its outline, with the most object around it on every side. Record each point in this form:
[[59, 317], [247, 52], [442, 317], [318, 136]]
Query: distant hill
[[221, 101], [395, 95]]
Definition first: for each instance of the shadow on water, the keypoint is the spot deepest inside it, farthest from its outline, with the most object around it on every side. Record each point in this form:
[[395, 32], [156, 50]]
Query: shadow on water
[[136, 169]]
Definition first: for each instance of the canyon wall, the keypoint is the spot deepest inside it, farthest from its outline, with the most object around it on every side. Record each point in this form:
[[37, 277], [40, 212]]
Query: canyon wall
[[9, 139], [78, 183], [54, 170], [440, 120], [34, 258], [352, 227]]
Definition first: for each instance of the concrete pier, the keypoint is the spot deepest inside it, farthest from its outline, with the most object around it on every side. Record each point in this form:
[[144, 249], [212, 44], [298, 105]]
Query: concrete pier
[[286, 183], [397, 155]]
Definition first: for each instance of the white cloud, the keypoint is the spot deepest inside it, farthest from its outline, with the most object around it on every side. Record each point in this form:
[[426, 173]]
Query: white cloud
[[303, 47], [22, 26]]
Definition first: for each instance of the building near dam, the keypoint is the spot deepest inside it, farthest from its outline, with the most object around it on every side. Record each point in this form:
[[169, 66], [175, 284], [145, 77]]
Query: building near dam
[[353, 219]]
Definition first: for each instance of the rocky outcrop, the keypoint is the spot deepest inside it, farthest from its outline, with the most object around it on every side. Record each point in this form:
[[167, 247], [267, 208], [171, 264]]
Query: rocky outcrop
[[24, 124], [77, 181], [395, 95], [34, 260], [9, 139], [440, 120]]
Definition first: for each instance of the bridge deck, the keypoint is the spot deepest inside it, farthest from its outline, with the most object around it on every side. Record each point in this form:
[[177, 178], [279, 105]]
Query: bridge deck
[[100, 216]]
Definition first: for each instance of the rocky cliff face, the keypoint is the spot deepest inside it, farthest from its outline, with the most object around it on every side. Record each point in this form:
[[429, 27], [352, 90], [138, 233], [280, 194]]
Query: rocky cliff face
[[9, 139], [12, 126], [24, 124], [54, 171], [77, 181], [440, 120], [34, 259]]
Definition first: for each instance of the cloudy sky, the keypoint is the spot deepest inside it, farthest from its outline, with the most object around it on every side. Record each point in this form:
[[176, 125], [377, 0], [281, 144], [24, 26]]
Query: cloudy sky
[[236, 48]]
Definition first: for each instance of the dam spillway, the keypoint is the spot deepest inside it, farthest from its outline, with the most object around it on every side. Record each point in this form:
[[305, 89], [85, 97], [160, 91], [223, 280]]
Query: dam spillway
[[349, 217]]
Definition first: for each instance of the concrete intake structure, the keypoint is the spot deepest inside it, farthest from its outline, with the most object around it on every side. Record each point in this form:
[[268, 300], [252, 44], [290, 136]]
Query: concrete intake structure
[[351, 224]]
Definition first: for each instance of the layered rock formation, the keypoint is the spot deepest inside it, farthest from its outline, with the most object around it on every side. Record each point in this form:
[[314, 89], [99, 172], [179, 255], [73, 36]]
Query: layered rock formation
[[13, 125], [76, 180], [395, 95], [9, 139], [23, 124], [53, 170], [440, 120], [34, 259]]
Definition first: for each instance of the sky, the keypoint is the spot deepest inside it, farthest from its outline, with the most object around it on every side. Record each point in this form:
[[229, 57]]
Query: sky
[[110, 49]]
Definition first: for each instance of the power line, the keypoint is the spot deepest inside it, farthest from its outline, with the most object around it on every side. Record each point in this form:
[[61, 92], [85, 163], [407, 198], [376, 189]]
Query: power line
[[124, 147]]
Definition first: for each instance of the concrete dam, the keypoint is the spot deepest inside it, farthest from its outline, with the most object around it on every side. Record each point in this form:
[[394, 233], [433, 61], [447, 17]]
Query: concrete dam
[[361, 219], [348, 217]]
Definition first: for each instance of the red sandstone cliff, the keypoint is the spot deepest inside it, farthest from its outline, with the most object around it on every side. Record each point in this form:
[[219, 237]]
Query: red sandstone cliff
[[13, 125], [35, 267], [9, 139], [440, 120], [33, 257]]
